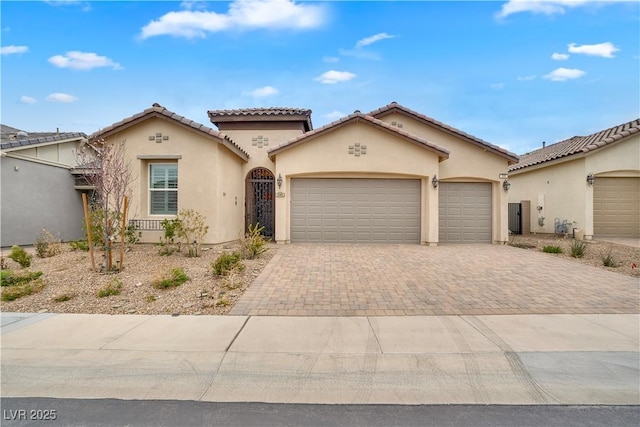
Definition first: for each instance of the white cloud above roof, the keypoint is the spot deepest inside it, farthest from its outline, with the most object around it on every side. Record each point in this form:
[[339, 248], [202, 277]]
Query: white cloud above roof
[[83, 61], [61, 97], [9, 50], [546, 7], [333, 77], [264, 91], [27, 100], [527, 78], [372, 39], [242, 14], [334, 115], [564, 74], [330, 59], [605, 50], [560, 56]]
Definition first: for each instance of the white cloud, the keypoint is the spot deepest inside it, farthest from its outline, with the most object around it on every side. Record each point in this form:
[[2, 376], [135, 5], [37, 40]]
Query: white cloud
[[563, 74], [334, 115], [242, 14], [332, 77], [82, 61], [27, 100], [330, 59], [9, 50], [527, 78], [604, 50], [264, 91], [61, 97], [86, 6], [546, 7], [498, 86], [559, 56], [372, 39]]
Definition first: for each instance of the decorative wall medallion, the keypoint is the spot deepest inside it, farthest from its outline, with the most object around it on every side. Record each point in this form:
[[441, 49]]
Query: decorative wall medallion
[[259, 141], [358, 149], [158, 137]]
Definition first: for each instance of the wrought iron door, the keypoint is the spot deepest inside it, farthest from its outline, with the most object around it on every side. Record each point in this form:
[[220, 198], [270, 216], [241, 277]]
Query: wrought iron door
[[259, 200]]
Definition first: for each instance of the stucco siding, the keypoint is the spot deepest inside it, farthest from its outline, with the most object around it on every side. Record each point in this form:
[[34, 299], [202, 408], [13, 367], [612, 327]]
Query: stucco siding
[[38, 196], [620, 159]]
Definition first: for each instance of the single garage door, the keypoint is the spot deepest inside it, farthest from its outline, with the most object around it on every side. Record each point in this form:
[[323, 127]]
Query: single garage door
[[616, 207], [464, 212], [355, 210]]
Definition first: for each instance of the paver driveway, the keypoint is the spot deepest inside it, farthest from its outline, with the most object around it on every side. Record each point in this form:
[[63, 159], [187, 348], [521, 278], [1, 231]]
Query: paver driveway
[[363, 280]]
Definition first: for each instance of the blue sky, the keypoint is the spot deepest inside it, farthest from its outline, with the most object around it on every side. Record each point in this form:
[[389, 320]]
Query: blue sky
[[513, 73]]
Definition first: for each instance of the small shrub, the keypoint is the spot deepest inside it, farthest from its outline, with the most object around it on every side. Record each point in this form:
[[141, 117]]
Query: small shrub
[[522, 245], [9, 278], [132, 235], [20, 256], [552, 249], [192, 229], [65, 296], [254, 242], [609, 260], [175, 278], [166, 250], [150, 298], [47, 245], [578, 248], [19, 291], [113, 288], [3, 263], [79, 245], [227, 262]]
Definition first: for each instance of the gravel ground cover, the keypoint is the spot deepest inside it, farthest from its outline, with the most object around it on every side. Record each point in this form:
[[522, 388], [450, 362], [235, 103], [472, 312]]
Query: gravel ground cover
[[70, 285]]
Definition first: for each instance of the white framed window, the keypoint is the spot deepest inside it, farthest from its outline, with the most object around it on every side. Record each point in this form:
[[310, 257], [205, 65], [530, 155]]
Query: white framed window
[[163, 188]]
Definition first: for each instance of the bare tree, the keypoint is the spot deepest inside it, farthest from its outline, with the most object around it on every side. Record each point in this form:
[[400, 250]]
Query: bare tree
[[107, 170]]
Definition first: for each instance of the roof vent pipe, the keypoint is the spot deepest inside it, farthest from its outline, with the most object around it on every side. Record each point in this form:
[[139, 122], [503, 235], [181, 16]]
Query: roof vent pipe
[[543, 144]]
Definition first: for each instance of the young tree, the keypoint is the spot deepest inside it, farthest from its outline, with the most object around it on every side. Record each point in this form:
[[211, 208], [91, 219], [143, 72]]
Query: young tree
[[107, 170]]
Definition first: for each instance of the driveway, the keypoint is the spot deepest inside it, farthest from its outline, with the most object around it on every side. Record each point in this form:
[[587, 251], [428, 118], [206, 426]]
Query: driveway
[[374, 280]]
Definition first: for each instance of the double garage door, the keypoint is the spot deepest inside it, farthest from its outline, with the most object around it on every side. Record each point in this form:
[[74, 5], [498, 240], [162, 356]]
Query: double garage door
[[355, 210], [385, 211], [616, 207]]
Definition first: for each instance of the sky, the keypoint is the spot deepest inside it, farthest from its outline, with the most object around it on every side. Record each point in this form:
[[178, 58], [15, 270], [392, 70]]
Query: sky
[[512, 73]]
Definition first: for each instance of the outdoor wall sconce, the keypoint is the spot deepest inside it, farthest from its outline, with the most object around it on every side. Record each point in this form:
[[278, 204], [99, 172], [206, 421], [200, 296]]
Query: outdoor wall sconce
[[435, 181], [279, 181], [506, 185], [591, 179]]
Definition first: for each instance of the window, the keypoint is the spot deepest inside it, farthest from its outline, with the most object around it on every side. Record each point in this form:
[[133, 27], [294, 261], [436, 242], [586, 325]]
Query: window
[[163, 189]]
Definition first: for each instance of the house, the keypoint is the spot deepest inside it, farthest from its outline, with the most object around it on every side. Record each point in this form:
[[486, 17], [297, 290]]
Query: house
[[588, 183], [391, 175], [37, 186]]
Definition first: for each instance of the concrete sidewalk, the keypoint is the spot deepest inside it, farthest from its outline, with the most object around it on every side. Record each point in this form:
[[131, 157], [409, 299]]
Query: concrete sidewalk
[[498, 359]]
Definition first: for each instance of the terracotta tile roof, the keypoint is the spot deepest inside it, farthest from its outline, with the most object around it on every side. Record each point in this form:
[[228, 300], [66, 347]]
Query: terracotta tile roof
[[262, 114], [39, 138], [395, 107], [443, 153], [577, 145], [159, 111]]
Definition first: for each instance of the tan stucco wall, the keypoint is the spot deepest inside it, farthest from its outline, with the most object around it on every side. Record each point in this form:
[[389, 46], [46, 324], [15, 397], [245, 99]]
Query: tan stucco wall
[[562, 189], [208, 176], [467, 162], [388, 156]]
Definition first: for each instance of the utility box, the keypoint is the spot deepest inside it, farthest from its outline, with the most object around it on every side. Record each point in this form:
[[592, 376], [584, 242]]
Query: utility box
[[578, 233]]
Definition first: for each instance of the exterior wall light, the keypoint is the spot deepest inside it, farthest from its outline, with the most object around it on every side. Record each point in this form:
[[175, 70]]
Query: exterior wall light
[[506, 185], [591, 179], [435, 181], [279, 181]]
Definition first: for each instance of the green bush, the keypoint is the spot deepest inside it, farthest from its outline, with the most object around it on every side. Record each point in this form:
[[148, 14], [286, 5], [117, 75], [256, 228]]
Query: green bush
[[191, 229], [47, 245], [552, 249], [20, 256], [19, 291], [609, 260], [226, 262], [254, 242], [112, 288], [79, 245], [578, 248], [175, 278], [9, 278]]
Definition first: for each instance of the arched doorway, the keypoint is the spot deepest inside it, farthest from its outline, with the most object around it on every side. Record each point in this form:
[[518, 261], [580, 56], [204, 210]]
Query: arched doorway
[[259, 203]]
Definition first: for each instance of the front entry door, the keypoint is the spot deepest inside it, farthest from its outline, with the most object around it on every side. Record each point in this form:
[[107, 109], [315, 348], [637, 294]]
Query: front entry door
[[259, 201]]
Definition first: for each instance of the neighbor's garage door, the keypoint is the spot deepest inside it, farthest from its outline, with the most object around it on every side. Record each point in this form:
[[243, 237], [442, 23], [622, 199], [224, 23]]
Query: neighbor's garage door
[[616, 207], [464, 212], [355, 210]]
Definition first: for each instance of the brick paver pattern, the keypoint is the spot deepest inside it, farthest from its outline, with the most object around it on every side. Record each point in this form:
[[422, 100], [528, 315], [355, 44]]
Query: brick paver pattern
[[374, 280]]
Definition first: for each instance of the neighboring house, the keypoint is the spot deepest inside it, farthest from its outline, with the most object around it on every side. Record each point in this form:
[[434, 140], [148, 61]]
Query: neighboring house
[[38, 187], [392, 175], [590, 183]]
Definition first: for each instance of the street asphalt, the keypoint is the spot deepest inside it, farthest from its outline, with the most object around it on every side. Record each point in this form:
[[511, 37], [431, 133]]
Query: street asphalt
[[563, 359]]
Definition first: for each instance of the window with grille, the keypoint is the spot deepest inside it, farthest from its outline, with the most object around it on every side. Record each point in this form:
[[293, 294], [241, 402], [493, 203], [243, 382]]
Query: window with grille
[[163, 189]]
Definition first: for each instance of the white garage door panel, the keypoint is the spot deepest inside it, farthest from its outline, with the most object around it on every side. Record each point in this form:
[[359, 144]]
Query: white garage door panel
[[355, 210], [464, 212], [616, 207]]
